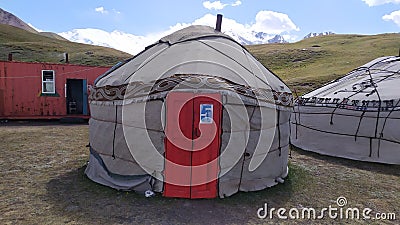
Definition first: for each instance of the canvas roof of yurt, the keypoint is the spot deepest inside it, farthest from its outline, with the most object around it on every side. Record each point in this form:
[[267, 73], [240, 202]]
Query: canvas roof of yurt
[[195, 59], [198, 50], [356, 116], [376, 80]]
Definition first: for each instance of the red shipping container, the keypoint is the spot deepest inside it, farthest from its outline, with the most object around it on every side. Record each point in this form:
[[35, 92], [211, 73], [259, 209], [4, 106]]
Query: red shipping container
[[45, 90]]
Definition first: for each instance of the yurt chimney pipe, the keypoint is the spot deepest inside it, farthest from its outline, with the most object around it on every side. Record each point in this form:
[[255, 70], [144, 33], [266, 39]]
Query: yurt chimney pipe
[[219, 23]]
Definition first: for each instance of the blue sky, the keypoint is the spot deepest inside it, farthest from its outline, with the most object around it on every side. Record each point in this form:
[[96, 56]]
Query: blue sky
[[293, 18]]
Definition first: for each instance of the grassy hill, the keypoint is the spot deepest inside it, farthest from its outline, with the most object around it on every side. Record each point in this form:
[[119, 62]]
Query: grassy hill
[[30, 47], [308, 64], [304, 65], [53, 35]]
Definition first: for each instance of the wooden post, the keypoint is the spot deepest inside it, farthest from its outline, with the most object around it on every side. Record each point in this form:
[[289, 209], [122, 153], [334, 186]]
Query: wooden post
[[66, 58]]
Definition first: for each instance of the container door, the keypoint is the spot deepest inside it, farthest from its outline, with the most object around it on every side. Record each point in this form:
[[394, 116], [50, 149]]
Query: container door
[[85, 98], [75, 96], [193, 130]]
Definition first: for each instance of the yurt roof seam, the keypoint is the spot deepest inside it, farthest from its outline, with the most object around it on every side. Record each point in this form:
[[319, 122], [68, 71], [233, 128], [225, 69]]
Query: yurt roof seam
[[342, 134], [351, 115], [384, 123], [359, 124], [199, 37], [151, 46], [121, 63], [351, 75], [361, 90], [116, 66], [337, 106], [144, 63], [247, 58], [380, 104]]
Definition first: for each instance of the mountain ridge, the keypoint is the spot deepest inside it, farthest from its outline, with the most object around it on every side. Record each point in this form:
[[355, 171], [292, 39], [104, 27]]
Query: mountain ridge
[[314, 34], [131, 43], [12, 20]]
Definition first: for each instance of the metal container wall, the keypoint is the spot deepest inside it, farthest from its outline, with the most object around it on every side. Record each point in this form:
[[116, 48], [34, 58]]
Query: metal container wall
[[21, 94]]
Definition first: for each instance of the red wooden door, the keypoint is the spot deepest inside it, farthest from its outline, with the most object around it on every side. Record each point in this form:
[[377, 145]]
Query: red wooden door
[[178, 131], [193, 130]]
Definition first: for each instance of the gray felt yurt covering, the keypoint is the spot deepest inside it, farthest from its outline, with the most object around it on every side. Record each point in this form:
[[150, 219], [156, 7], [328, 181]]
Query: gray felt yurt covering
[[355, 117], [128, 103]]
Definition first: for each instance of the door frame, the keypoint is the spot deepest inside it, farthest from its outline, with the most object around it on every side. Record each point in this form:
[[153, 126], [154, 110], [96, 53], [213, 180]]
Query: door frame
[[192, 160], [83, 105]]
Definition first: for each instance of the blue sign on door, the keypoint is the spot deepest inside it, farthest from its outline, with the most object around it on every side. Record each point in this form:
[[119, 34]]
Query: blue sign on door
[[206, 113]]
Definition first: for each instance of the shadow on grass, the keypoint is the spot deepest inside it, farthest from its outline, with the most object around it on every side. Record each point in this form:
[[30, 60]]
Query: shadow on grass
[[76, 198], [369, 166]]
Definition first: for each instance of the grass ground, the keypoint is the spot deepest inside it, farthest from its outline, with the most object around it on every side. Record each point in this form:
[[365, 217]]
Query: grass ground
[[43, 182]]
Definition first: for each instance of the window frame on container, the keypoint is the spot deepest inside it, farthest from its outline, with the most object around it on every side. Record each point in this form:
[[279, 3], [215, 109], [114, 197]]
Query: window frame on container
[[44, 81]]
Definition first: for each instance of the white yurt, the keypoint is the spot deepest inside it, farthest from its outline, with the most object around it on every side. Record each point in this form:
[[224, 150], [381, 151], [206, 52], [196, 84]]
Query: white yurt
[[355, 117], [194, 115]]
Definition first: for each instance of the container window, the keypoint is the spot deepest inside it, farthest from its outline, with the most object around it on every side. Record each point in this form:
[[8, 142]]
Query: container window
[[48, 82]]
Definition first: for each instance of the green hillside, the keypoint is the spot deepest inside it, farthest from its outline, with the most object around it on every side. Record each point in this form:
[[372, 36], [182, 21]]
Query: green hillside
[[53, 35], [29, 47], [310, 63], [304, 65]]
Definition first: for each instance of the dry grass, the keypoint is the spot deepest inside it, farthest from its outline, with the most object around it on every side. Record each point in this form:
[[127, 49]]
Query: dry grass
[[43, 182]]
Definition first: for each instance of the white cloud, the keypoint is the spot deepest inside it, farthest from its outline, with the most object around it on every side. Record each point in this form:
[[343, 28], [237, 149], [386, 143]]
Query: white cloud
[[380, 2], [218, 5], [290, 38], [274, 22], [116, 11], [266, 25], [237, 3], [101, 10], [394, 16]]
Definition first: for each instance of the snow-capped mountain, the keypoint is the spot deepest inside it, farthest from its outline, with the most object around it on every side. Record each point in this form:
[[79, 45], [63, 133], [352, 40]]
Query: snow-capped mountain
[[254, 38], [119, 40], [266, 38], [242, 39], [318, 34], [133, 44], [277, 39]]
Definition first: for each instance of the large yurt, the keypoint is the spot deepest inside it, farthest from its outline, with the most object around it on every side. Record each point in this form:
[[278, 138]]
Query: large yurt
[[355, 117], [194, 115]]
